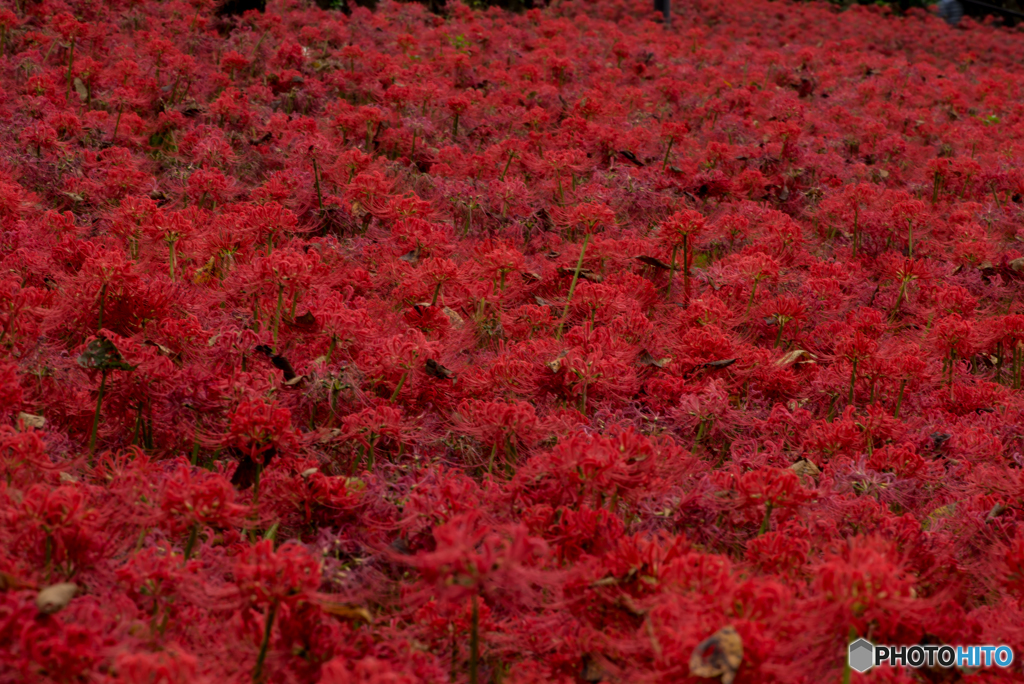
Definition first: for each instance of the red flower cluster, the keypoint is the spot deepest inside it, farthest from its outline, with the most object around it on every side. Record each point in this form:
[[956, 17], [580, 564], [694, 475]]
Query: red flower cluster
[[560, 346]]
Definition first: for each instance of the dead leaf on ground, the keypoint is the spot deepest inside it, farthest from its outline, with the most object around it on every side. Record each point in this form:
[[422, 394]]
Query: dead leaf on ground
[[436, 370], [556, 364], [805, 470], [585, 273], [55, 597], [453, 317], [656, 263], [796, 356], [647, 359], [719, 655], [30, 420], [10, 582], [306, 321], [347, 612], [102, 354]]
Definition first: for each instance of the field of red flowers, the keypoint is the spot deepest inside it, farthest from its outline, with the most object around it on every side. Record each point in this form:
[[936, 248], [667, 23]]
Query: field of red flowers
[[551, 347]]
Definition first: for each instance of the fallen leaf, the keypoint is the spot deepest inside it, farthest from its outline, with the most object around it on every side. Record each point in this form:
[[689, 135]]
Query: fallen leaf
[[453, 317], [279, 363], [556, 364], [160, 348], [436, 370], [585, 273], [347, 611], [795, 356], [410, 257], [80, 90], [101, 354], [645, 358], [9, 581], [306, 321], [996, 511], [55, 597], [32, 421], [805, 470], [719, 655], [656, 263], [631, 157]]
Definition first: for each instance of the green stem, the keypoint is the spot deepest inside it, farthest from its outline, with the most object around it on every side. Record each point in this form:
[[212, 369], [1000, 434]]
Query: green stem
[[173, 256], [474, 645], [490, 463], [117, 124], [277, 314], [664, 162], [316, 178], [398, 387], [899, 398], [853, 381], [437, 291], [686, 269], [71, 61], [96, 418], [103, 299], [507, 164], [330, 349], [572, 286], [192, 537], [672, 273], [767, 519], [257, 673]]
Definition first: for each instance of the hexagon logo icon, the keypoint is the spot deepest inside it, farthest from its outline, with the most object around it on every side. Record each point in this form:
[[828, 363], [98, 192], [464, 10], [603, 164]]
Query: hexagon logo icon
[[862, 655]]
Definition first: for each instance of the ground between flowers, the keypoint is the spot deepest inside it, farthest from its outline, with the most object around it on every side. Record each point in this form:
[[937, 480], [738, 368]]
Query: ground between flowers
[[488, 347]]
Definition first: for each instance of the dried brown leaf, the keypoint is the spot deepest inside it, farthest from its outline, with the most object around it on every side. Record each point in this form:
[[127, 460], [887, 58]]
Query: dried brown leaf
[[347, 611], [720, 655], [436, 370], [796, 356], [656, 263], [645, 358], [585, 273], [55, 597], [30, 420]]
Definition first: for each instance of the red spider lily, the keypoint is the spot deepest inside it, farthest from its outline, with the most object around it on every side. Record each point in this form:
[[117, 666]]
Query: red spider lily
[[381, 251]]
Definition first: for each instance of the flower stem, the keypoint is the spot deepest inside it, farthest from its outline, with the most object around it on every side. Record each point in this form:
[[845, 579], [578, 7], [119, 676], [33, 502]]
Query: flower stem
[[257, 672], [316, 178], [71, 62], [672, 273], [899, 398], [767, 519], [193, 535], [474, 645], [277, 314], [572, 286], [398, 387], [96, 417], [853, 381]]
